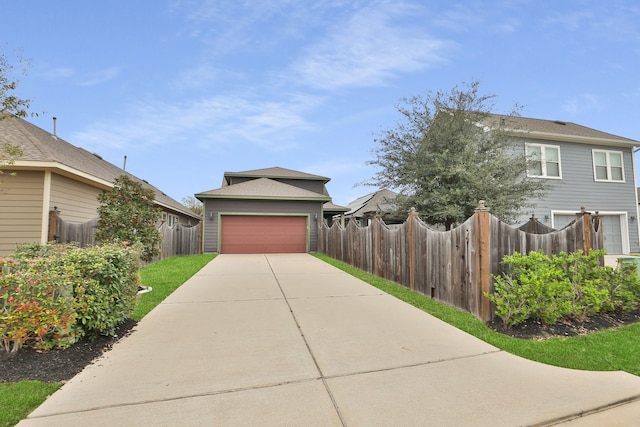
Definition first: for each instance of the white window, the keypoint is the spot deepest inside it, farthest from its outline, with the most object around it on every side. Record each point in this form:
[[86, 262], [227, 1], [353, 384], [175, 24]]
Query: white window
[[607, 166], [544, 161]]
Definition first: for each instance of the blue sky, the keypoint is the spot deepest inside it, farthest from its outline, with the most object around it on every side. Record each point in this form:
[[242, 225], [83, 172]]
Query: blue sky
[[189, 89]]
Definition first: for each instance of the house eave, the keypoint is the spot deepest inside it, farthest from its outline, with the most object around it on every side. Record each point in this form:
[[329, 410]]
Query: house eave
[[549, 136], [247, 197], [64, 170], [61, 169]]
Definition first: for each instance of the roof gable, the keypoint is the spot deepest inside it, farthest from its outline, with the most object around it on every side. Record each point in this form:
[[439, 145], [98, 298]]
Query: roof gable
[[262, 188], [42, 149]]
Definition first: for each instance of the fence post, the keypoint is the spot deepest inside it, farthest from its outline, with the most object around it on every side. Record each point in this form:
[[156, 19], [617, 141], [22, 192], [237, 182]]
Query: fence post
[[586, 229], [532, 223], [483, 260], [413, 215], [53, 224]]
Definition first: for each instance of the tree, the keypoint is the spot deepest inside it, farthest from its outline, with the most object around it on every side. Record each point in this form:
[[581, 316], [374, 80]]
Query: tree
[[128, 213], [193, 204], [449, 153], [10, 105]]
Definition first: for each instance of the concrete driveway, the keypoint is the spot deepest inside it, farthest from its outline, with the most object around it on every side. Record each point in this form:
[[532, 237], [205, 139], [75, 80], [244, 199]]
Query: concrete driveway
[[288, 340]]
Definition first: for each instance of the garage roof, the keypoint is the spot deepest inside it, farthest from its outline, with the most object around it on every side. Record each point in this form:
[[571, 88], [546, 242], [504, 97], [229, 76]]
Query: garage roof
[[263, 189], [275, 173]]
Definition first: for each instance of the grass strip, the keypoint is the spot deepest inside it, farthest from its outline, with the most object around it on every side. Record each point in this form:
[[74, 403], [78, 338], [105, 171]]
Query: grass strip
[[17, 400], [165, 277], [608, 350]]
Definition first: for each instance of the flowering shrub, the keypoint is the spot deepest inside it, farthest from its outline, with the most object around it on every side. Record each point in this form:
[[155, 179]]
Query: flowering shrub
[[34, 310], [50, 295], [548, 289]]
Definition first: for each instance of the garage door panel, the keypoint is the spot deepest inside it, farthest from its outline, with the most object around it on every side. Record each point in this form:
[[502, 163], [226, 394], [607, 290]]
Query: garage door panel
[[264, 234]]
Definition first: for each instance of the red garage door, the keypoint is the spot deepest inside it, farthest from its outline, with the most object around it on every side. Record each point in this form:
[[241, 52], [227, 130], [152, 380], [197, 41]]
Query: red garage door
[[263, 234]]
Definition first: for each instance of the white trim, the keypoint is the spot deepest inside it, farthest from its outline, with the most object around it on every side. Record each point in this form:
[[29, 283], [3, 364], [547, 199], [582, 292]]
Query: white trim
[[624, 225], [635, 186], [46, 207], [607, 153]]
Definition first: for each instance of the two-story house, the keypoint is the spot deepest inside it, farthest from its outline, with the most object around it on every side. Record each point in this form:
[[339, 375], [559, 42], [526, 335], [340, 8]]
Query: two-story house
[[584, 167]]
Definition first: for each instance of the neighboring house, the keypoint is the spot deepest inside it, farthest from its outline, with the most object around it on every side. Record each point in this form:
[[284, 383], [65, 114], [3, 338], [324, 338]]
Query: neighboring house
[[265, 211], [379, 204], [53, 173], [585, 167]]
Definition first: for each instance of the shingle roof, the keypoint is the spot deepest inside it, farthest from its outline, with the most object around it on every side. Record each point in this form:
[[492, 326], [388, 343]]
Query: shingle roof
[[41, 147], [558, 130], [379, 201], [262, 188], [275, 172], [330, 207]]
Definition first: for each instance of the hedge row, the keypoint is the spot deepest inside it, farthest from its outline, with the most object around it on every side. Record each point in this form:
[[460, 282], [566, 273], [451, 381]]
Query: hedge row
[[563, 286], [52, 295]]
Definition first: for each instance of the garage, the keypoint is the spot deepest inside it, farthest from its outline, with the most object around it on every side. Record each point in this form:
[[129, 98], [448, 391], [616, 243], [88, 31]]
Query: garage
[[250, 234]]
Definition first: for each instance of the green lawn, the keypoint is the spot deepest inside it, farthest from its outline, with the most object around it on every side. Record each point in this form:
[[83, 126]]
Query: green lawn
[[165, 277], [17, 400], [615, 349]]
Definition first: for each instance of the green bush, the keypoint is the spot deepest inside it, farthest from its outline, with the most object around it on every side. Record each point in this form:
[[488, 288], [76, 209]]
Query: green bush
[[106, 286], [52, 294], [548, 289]]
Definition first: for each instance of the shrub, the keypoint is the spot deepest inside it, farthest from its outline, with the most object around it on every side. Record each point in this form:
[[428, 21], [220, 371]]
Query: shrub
[[106, 287], [36, 309], [52, 294], [548, 289], [128, 213]]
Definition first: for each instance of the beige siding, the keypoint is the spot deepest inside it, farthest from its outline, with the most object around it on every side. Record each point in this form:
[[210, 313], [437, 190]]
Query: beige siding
[[76, 201], [21, 198]]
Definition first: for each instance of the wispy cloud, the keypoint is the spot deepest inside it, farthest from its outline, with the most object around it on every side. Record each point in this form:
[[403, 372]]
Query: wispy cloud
[[582, 103], [206, 123], [609, 21], [368, 50], [100, 76]]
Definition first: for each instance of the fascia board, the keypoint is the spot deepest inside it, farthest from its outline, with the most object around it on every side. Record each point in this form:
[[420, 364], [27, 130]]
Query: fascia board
[[240, 197], [548, 136], [60, 168]]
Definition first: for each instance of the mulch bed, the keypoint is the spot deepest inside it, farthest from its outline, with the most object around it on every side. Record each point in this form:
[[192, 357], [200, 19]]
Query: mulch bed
[[536, 330], [57, 365]]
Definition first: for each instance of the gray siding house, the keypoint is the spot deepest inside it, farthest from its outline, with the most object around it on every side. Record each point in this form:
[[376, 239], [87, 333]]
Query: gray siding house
[[265, 211], [585, 167]]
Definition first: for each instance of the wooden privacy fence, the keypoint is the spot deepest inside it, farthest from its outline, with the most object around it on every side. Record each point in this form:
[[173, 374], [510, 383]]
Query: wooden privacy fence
[[454, 266], [177, 240]]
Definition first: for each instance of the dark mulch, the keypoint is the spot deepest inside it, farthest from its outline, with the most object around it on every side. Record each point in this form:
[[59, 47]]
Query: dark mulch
[[538, 331], [57, 365]]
